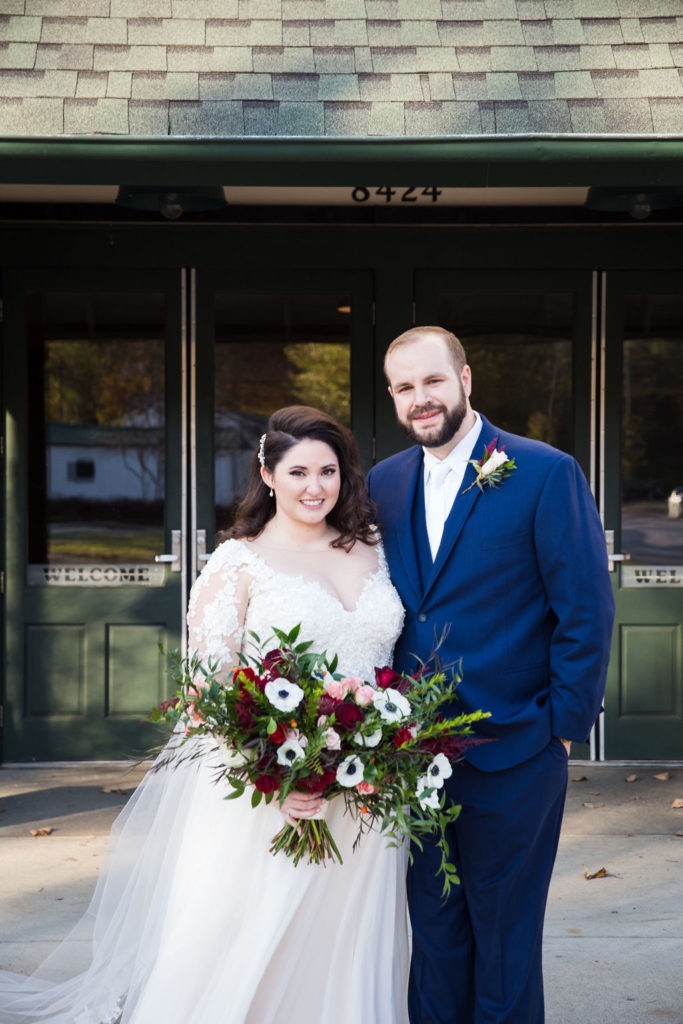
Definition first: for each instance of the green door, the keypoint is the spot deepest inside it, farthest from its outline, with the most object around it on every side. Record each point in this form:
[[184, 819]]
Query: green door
[[134, 405], [642, 482], [530, 343], [93, 397]]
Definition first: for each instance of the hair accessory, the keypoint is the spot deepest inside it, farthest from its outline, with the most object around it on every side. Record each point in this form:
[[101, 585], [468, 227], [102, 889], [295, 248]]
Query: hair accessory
[[261, 450]]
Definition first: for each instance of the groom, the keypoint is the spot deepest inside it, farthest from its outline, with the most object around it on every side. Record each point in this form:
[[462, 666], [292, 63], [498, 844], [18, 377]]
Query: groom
[[517, 574]]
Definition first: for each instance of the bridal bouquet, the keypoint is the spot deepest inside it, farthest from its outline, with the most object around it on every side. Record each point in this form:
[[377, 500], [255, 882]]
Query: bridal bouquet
[[289, 720]]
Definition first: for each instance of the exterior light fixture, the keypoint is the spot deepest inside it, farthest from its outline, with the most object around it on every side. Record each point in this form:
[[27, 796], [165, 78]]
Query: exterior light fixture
[[638, 202], [171, 202]]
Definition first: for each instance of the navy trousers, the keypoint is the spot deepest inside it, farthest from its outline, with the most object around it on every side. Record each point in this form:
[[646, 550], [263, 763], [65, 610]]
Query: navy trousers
[[477, 956]]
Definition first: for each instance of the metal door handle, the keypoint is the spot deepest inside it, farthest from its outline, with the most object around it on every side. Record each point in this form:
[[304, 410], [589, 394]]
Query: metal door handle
[[172, 559], [200, 546], [612, 556]]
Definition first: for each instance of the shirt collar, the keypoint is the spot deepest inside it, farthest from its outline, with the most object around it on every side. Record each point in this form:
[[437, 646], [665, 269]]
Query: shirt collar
[[458, 455]]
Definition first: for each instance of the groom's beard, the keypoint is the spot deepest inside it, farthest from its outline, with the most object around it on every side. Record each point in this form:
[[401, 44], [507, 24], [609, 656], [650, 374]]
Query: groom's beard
[[436, 437]]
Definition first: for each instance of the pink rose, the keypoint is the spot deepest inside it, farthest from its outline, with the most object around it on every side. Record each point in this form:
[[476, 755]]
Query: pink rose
[[366, 788], [322, 721], [332, 739], [364, 695], [335, 688], [352, 683]]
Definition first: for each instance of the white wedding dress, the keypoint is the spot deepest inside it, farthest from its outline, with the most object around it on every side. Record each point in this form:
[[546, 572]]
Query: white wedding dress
[[193, 921]]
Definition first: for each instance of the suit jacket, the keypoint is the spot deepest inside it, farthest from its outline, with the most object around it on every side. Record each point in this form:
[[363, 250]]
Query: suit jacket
[[520, 581]]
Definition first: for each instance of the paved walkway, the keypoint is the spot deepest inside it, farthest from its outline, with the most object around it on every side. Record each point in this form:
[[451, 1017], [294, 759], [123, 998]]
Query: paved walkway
[[613, 944]]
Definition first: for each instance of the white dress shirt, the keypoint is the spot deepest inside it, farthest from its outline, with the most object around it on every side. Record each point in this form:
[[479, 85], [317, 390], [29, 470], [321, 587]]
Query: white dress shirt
[[442, 481]]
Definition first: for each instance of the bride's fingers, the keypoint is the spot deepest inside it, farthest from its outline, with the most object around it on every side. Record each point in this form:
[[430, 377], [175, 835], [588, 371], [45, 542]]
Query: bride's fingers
[[301, 805]]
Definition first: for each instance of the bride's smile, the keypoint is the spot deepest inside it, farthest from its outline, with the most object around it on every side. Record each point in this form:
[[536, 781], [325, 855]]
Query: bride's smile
[[306, 483]]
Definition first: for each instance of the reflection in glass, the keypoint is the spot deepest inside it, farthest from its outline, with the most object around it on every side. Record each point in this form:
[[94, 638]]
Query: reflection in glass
[[96, 428], [273, 350], [652, 428], [519, 346]]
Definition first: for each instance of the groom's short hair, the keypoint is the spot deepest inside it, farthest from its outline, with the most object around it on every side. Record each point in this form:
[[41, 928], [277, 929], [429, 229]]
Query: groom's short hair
[[414, 334]]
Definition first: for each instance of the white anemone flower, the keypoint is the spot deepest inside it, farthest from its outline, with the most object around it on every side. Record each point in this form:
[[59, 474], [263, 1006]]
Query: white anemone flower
[[371, 739], [424, 783], [289, 752], [391, 704], [350, 771], [283, 695], [439, 770]]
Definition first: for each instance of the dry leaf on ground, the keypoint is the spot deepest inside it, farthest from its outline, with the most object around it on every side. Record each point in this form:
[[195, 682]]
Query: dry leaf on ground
[[41, 831], [593, 805], [113, 789], [662, 776], [678, 802], [679, 832], [580, 778], [600, 873], [631, 778]]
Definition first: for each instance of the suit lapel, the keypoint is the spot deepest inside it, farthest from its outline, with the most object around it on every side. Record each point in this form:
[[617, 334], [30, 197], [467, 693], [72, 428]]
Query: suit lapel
[[462, 506], [410, 478]]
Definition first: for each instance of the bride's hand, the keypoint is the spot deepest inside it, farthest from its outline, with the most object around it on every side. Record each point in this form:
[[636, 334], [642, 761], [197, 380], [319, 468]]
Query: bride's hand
[[300, 805]]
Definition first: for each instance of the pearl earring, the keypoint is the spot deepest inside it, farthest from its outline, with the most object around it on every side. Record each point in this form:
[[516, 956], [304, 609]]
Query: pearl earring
[[270, 492]]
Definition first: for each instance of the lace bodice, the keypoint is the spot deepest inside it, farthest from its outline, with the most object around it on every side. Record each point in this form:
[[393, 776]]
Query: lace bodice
[[239, 592]]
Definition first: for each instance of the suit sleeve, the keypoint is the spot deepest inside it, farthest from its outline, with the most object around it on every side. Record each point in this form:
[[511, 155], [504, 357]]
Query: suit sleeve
[[572, 560]]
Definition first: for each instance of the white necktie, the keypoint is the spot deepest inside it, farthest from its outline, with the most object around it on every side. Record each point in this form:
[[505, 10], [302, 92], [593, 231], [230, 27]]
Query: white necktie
[[435, 504]]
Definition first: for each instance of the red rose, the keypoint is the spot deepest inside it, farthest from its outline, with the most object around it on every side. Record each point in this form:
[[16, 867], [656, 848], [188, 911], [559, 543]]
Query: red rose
[[267, 783], [386, 677], [346, 713], [248, 673], [275, 663], [280, 734], [401, 736], [317, 783]]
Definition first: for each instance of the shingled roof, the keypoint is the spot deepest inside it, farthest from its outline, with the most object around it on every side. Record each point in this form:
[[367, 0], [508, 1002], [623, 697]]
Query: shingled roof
[[340, 67]]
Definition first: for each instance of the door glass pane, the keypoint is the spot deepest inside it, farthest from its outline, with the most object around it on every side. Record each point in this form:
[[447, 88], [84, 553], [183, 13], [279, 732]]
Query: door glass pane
[[273, 350], [652, 428], [96, 435], [519, 346]]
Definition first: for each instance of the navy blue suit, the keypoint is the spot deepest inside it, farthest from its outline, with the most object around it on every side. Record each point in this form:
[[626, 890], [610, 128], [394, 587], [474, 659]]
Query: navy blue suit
[[520, 580]]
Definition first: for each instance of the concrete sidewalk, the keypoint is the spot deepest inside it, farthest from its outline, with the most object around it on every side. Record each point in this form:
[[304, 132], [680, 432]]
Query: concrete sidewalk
[[613, 944]]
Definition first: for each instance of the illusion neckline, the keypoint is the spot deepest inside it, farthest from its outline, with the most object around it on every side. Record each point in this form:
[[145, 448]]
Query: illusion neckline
[[301, 578]]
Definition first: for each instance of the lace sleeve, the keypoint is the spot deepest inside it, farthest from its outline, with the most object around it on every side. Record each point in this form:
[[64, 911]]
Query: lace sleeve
[[218, 605]]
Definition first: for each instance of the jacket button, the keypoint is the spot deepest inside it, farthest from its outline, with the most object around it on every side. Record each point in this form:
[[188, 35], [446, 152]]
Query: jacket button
[[422, 617]]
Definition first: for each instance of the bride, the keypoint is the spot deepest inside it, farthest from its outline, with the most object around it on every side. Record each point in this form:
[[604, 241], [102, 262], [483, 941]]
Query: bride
[[192, 920]]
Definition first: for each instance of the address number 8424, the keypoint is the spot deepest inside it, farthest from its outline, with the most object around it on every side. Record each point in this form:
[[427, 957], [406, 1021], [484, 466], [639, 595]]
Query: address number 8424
[[361, 194]]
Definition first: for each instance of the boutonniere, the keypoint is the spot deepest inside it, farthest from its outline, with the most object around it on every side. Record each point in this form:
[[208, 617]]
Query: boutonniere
[[492, 468]]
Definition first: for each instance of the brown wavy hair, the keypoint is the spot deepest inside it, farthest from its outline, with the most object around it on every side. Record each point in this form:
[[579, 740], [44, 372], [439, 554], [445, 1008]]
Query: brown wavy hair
[[353, 515]]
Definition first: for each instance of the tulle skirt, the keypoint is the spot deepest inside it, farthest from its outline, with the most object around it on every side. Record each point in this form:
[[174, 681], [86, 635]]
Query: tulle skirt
[[193, 921]]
